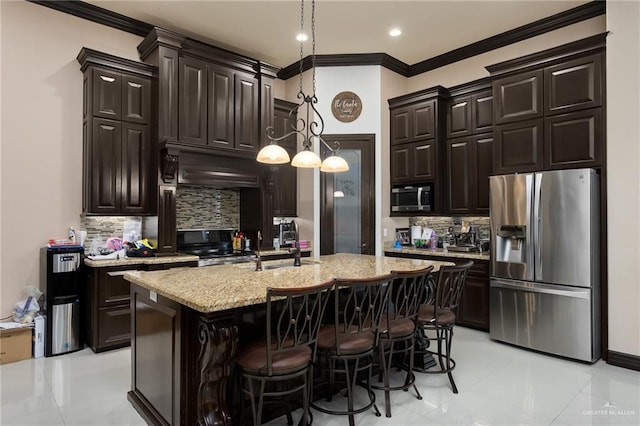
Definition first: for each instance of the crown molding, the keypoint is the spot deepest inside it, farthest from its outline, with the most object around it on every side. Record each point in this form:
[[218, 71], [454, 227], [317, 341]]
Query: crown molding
[[533, 29], [99, 15], [89, 57]]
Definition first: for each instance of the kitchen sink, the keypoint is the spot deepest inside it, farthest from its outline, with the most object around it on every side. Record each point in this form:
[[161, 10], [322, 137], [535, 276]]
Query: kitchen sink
[[288, 264]]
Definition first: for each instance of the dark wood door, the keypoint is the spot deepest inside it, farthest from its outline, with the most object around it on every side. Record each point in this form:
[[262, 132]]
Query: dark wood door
[[573, 85], [247, 136], [574, 140], [423, 157], [267, 106], [136, 154], [518, 147], [192, 101], [114, 329], [136, 99], [105, 159], [482, 112], [474, 304], [424, 118], [518, 97], [459, 114], [220, 107], [107, 94], [401, 166], [112, 288], [483, 169], [285, 192], [401, 122], [167, 219], [348, 223], [459, 170]]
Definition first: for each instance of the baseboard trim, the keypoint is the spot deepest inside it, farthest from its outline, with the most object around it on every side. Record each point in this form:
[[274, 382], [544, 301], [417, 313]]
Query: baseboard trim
[[623, 360]]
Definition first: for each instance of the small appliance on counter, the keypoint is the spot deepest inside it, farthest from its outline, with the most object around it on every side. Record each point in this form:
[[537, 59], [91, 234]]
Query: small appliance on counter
[[465, 239], [285, 233]]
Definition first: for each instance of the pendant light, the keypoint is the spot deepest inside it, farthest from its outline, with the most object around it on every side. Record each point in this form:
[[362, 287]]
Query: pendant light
[[310, 127]]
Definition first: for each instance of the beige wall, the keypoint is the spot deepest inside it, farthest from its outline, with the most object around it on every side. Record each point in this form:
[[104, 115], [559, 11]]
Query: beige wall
[[623, 180], [41, 159]]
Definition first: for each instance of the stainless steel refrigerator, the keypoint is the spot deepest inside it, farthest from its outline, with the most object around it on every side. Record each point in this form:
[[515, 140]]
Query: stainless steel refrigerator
[[545, 268]]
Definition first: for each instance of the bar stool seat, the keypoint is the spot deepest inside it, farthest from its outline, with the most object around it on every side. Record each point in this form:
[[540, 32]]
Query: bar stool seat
[[253, 359], [350, 343], [427, 315]]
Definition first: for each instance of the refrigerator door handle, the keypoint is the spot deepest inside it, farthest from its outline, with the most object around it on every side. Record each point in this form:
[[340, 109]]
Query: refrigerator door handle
[[537, 226], [537, 288]]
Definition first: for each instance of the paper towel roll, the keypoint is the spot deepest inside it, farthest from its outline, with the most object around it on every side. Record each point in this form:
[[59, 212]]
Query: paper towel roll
[[416, 233]]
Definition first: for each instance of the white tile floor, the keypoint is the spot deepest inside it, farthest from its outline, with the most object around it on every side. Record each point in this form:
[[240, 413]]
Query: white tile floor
[[498, 384]]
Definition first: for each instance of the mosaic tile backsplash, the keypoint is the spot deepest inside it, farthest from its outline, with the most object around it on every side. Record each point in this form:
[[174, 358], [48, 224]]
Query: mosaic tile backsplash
[[441, 224], [100, 228], [204, 207]]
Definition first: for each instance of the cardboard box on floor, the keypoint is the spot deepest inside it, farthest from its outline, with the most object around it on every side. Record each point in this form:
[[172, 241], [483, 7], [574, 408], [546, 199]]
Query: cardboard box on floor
[[15, 344]]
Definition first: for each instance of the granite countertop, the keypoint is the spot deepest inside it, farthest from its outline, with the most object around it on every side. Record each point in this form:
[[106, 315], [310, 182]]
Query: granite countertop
[[439, 252], [217, 288], [128, 261]]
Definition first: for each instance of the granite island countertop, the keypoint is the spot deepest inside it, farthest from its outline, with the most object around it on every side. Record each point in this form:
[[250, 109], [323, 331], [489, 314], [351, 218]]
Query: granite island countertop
[[221, 287], [439, 252], [131, 261]]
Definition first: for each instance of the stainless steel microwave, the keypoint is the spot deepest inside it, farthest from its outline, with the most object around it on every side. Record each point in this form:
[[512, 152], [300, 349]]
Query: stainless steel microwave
[[418, 198]]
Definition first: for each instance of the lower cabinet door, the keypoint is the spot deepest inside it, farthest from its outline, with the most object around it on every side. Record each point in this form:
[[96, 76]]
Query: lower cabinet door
[[114, 327], [474, 305]]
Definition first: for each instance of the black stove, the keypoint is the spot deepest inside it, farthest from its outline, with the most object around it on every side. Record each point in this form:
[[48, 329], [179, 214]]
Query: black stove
[[212, 246]]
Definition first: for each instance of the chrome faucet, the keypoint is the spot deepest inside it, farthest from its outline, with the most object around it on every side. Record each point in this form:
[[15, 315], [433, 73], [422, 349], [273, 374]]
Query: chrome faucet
[[296, 250], [258, 260]]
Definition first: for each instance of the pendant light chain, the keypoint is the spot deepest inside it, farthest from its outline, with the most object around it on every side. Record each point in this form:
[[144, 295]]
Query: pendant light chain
[[301, 39], [313, 43]]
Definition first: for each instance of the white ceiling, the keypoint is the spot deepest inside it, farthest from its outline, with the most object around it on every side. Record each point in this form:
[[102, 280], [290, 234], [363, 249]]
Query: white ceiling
[[266, 29]]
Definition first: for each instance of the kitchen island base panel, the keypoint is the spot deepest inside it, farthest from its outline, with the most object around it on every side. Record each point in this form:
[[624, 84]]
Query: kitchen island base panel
[[180, 376]]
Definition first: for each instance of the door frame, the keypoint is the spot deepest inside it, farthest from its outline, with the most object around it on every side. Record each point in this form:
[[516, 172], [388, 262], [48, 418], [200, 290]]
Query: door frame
[[366, 143]]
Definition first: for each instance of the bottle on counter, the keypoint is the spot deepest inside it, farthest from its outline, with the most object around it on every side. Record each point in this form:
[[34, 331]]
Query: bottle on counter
[[71, 234], [434, 240]]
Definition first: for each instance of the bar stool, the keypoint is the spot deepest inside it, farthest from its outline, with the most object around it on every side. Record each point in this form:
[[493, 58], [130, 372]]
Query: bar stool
[[347, 345], [398, 327], [288, 351], [440, 316]]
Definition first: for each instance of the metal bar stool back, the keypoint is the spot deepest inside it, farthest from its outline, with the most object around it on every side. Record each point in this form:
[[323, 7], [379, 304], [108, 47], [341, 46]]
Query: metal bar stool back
[[286, 355]]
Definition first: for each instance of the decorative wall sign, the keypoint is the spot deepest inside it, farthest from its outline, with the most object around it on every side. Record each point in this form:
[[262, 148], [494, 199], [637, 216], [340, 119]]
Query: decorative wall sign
[[346, 107]]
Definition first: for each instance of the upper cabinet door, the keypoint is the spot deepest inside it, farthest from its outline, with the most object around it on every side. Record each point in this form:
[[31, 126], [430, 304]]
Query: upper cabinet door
[[247, 120], [482, 109], [459, 169], [573, 85], [135, 168], [136, 99], [192, 101], [400, 125], [459, 113], [424, 160], [220, 107], [518, 97], [107, 94], [105, 157], [483, 169], [518, 147], [423, 121]]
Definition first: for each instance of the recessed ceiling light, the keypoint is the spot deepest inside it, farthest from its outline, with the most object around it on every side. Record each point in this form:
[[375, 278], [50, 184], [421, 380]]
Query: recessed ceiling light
[[395, 32], [301, 37]]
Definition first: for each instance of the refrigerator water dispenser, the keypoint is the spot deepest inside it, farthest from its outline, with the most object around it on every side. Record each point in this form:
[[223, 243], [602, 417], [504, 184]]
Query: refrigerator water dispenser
[[511, 244]]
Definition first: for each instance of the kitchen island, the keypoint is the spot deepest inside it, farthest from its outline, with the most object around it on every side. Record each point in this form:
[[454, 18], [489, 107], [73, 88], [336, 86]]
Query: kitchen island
[[188, 322]]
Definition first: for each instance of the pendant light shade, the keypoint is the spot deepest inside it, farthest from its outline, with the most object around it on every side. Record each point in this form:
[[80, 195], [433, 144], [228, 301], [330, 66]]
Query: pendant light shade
[[307, 159], [334, 164], [273, 154]]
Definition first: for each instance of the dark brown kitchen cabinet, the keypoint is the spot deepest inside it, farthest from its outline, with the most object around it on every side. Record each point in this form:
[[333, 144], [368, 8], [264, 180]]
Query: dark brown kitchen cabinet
[[573, 85], [120, 96], [117, 153], [474, 302], [107, 309], [167, 219], [574, 140], [413, 123], [118, 181], [518, 97], [518, 147], [218, 106], [549, 108], [285, 176], [473, 310], [413, 162], [469, 163], [247, 136], [192, 99]]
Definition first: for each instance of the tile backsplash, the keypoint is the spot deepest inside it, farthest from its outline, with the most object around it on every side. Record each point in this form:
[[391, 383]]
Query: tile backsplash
[[200, 207], [441, 224], [99, 228]]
